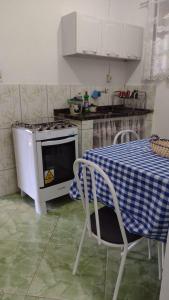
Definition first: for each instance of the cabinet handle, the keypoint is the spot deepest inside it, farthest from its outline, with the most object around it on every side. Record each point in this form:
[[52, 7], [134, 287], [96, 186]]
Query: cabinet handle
[[115, 54], [133, 56]]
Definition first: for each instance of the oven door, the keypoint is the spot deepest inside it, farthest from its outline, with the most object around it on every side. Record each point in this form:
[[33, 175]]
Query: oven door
[[55, 160]]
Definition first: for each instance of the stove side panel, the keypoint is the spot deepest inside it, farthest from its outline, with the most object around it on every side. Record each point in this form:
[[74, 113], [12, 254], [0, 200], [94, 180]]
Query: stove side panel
[[26, 161]]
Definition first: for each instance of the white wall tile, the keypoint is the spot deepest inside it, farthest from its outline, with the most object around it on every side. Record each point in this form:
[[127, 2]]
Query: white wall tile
[[87, 140], [9, 105], [57, 97], [6, 150], [103, 100], [113, 100], [150, 90], [33, 102], [8, 182], [76, 89]]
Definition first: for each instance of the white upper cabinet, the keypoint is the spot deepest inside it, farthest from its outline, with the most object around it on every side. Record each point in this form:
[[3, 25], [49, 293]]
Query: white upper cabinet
[[91, 36], [88, 35], [81, 34], [113, 39], [133, 38]]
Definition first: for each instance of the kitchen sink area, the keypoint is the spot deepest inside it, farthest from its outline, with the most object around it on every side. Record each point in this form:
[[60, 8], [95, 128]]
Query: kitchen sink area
[[98, 129], [102, 112]]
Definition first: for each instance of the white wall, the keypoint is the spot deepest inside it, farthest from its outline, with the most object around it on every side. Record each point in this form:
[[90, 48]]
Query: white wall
[[161, 116], [31, 41], [31, 44], [128, 11], [134, 77], [30, 47]]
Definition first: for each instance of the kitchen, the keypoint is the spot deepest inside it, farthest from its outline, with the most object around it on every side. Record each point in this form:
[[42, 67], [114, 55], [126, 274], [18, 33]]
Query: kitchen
[[35, 80]]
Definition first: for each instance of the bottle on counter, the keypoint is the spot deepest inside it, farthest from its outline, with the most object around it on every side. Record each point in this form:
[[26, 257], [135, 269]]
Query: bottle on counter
[[86, 102]]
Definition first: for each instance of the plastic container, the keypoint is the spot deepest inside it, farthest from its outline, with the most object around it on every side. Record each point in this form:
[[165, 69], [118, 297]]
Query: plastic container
[[75, 106], [93, 108]]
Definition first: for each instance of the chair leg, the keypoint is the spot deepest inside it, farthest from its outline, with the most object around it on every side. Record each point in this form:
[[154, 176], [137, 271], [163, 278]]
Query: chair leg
[[149, 248], [163, 253], [120, 274], [159, 261], [80, 249]]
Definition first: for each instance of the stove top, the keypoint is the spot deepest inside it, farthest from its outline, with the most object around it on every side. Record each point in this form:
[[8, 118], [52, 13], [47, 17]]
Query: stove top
[[48, 125]]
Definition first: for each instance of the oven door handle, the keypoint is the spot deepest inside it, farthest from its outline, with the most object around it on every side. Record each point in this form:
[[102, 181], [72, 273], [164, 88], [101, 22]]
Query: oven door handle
[[58, 142]]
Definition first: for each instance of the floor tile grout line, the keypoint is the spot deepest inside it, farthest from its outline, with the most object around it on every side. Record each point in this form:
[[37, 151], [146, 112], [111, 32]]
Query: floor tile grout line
[[40, 297], [52, 228], [26, 241], [6, 223], [18, 243], [106, 273], [43, 255]]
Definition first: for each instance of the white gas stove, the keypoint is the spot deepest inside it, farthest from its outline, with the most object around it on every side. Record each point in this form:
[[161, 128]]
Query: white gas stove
[[45, 153]]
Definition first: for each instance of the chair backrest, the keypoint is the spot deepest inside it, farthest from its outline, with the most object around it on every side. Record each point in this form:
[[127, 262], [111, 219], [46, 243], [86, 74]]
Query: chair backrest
[[125, 136], [85, 172]]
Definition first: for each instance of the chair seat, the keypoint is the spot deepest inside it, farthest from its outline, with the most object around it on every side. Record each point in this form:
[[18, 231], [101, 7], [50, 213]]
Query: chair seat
[[109, 227]]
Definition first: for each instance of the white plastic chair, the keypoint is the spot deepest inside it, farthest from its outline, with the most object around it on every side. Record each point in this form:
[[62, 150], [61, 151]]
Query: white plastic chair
[[125, 136], [104, 224]]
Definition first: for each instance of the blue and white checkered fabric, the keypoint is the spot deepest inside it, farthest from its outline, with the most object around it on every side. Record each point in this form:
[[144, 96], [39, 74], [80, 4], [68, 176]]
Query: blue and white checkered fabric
[[141, 181]]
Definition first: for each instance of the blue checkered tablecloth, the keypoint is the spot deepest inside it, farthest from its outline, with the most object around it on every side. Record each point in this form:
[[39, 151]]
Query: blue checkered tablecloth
[[141, 181]]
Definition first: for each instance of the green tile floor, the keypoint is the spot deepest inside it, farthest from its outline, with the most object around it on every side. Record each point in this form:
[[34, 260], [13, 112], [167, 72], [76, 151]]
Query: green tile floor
[[37, 255]]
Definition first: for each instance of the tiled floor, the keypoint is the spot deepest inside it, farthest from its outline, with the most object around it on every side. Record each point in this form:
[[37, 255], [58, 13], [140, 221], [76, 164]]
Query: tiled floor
[[37, 254]]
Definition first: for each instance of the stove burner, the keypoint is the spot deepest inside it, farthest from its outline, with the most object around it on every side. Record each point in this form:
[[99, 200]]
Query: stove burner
[[51, 125]]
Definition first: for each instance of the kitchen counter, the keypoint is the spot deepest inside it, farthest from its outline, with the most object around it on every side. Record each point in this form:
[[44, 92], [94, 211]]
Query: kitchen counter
[[117, 117], [102, 112]]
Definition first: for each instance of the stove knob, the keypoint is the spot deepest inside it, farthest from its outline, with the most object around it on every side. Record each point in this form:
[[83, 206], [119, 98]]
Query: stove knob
[[63, 126]]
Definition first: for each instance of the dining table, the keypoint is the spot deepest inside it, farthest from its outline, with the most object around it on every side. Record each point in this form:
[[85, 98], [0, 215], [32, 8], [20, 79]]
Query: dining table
[[141, 181]]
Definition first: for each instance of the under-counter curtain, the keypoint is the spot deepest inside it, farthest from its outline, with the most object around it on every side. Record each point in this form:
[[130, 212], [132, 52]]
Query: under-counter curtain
[[156, 50], [104, 130]]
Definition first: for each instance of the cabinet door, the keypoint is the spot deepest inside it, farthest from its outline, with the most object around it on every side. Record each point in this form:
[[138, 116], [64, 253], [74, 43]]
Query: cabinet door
[[133, 41], [113, 39], [88, 35]]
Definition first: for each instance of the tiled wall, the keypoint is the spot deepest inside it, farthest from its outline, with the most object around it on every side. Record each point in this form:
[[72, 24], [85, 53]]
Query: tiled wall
[[10, 110], [150, 90], [30, 103]]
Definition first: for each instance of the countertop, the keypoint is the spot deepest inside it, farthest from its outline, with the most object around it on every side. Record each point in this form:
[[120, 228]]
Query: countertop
[[102, 112]]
